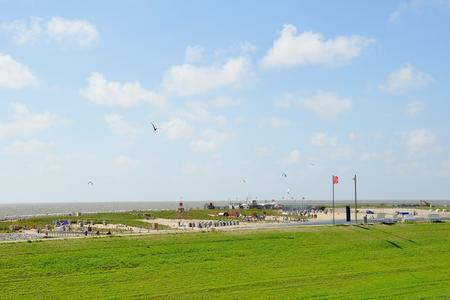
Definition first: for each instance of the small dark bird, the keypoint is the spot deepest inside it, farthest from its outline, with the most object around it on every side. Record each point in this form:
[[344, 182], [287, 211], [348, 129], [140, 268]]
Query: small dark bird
[[154, 127], [90, 183]]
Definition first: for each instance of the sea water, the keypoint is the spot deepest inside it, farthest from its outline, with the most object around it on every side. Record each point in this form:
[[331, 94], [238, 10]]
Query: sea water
[[30, 209]]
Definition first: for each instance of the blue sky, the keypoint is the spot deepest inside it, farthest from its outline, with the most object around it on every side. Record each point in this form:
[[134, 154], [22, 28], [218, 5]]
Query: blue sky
[[248, 91]]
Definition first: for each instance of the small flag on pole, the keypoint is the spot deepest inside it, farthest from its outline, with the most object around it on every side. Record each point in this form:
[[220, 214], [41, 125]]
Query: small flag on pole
[[335, 179]]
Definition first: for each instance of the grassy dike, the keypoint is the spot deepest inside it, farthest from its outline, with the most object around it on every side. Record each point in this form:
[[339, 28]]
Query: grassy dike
[[404, 261]]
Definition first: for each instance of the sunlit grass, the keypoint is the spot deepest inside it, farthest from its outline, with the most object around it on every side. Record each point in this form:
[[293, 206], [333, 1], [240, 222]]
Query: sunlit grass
[[400, 261]]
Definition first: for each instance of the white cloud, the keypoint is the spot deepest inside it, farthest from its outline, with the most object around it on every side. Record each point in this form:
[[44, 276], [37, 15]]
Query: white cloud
[[119, 126], [342, 152], [293, 157], [124, 161], [191, 169], [81, 33], [406, 79], [177, 129], [243, 48], [402, 8], [14, 75], [408, 5], [327, 105], [370, 156], [26, 147], [56, 162], [274, 122], [320, 139], [224, 102], [352, 136], [216, 103], [414, 108], [197, 112], [286, 101], [63, 31], [188, 79], [422, 141], [310, 48], [112, 93], [25, 122], [247, 48], [211, 141], [25, 32], [193, 54]]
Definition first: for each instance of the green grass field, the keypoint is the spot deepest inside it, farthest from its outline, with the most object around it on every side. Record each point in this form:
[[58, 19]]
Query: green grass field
[[401, 261]]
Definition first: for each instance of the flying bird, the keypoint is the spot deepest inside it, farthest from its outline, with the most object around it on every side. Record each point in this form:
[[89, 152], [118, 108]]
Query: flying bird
[[244, 180], [284, 175], [154, 127], [90, 183]]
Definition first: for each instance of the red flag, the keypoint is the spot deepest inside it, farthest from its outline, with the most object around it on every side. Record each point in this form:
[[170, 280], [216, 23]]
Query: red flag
[[335, 179]]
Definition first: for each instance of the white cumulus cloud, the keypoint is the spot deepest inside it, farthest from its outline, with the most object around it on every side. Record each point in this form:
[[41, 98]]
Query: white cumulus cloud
[[293, 157], [177, 129], [26, 123], [320, 139], [342, 152], [216, 103], [193, 54], [26, 147], [414, 108], [309, 48], [14, 75], [407, 6], [422, 141], [327, 105], [120, 126], [406, 79], [224, 102], [353, 136], [199, 114], [111, 93], [63, 31], [189, 79], [274, 122], [370, 156], [210, 141]]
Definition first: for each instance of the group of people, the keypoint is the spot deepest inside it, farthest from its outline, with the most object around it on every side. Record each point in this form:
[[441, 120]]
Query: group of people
[[207, 224]]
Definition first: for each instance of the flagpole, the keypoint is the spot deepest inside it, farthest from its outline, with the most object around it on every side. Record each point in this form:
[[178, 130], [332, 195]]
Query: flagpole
[[332, 182], [356, 203]]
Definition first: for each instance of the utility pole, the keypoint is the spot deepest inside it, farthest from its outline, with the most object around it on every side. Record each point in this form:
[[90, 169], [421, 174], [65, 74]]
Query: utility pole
[[332, 182], [356, 202]]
